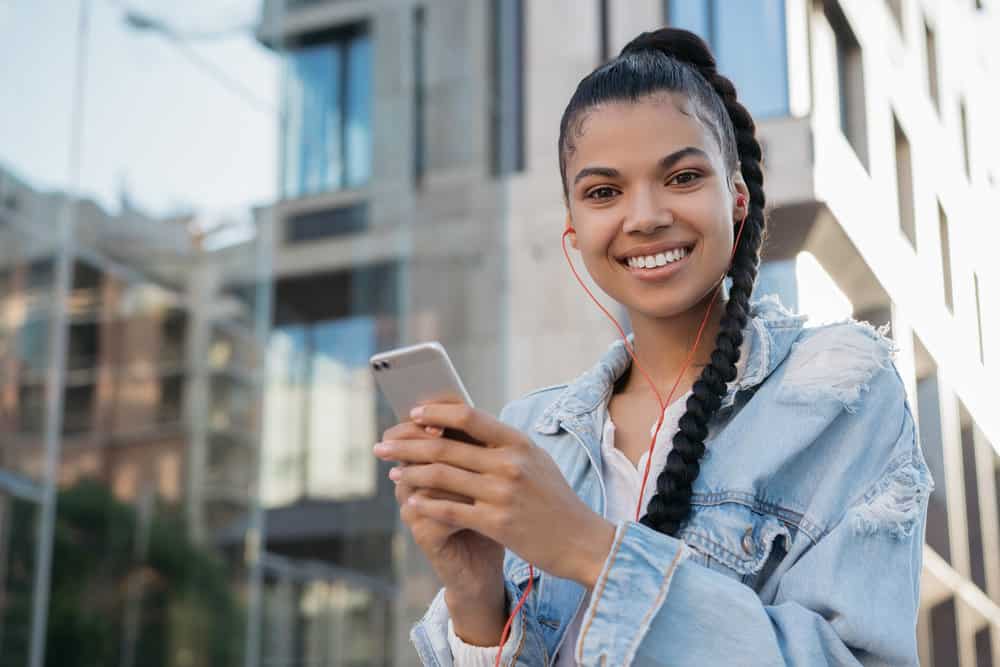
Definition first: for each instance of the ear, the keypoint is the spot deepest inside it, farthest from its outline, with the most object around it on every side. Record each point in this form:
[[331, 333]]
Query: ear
[[572, 235], [740, 188]]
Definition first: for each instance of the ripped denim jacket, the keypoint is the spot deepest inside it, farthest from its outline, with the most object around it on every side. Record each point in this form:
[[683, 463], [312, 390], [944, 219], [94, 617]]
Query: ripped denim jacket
[[804, 543]]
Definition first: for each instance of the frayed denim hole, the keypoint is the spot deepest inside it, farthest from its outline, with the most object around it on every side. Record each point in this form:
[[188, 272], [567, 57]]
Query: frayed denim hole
[[895, 503], [835, 363]]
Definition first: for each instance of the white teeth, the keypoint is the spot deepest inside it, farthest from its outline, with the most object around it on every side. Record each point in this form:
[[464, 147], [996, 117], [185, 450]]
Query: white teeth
[[660, 259]]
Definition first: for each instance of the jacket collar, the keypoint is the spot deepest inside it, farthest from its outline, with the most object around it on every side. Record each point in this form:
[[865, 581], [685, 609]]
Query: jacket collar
[[771, 328]]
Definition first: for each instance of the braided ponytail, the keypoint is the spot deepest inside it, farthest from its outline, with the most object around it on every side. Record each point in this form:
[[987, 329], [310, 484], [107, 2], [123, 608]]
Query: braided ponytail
[[678, 60]]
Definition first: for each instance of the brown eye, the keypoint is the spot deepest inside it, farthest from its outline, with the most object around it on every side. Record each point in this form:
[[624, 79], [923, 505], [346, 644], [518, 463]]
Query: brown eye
[[608, 192], [685, 177]]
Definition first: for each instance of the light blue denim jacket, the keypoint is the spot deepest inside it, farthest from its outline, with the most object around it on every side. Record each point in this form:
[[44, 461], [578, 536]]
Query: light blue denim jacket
[[804, 544]]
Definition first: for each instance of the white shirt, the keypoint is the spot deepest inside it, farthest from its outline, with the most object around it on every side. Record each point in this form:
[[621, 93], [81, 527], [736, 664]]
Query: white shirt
[[622, 481]]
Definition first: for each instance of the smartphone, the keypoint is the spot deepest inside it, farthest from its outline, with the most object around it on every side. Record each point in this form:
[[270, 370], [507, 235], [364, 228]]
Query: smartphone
[[416, 374]]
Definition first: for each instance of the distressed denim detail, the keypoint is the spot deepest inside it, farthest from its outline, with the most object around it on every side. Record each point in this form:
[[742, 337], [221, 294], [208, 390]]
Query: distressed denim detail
[[896, 503], [630, 590], [843, 490], [836, 362]]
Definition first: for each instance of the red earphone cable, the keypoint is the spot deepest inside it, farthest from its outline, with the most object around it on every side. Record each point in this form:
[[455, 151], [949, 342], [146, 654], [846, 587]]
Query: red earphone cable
[[663, 406]]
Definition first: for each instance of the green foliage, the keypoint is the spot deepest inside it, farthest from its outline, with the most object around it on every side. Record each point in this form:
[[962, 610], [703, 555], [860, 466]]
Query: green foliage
[[188, 615]]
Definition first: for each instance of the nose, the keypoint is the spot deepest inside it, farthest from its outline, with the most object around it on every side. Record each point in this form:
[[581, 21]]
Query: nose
[[646, 212]]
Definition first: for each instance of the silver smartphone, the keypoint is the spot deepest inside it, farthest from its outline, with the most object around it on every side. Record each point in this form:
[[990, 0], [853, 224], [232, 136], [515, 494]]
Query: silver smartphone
[[416, 374]]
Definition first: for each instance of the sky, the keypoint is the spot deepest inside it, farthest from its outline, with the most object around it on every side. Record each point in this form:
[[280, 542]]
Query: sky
[[155, 124]]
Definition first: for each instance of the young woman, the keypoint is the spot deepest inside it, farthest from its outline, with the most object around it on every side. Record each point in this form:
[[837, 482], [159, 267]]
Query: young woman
[[783, 521]]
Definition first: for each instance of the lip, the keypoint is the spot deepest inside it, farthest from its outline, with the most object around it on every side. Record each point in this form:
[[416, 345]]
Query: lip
[[660, 272]]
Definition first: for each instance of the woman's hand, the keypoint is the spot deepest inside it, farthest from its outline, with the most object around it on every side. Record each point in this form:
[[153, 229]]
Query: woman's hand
[[520, 498], [469, 565]]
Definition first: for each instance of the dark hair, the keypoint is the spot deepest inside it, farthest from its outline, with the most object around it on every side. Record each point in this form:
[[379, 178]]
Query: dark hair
[[670, 59]]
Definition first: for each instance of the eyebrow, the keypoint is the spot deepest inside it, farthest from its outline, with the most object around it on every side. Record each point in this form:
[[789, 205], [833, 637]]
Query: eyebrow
[[664, 164]]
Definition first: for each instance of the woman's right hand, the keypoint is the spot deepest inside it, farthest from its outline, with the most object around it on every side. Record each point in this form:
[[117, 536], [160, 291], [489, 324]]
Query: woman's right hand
[[469, 565]]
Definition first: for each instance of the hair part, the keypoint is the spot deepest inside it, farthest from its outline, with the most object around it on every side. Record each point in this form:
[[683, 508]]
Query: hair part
[[678, 61]]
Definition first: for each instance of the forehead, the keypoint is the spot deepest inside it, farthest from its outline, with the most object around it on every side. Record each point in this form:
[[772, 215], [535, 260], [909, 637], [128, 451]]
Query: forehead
[[645, 130]]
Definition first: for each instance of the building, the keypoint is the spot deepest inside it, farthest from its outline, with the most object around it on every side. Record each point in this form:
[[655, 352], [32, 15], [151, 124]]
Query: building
[[156, 438], [422, 201]]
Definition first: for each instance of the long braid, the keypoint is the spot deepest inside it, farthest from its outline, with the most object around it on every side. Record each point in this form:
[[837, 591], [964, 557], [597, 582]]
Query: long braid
[[671, 504]]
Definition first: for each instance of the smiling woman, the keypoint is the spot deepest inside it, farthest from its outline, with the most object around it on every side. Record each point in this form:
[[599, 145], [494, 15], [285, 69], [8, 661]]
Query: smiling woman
[[787, 515]]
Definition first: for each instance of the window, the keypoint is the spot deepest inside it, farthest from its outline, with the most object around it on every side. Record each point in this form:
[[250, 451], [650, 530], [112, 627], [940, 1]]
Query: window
[[904, 184], [973, 514], [748, 40], [507, 94], [327, 134], [322, 411], [944, 633], [949, 299], [605, 29], [896, 9], [419, 83], [979, 324], [930, 42], [963, 120], [327, 223], [932, 443], [850, 81]]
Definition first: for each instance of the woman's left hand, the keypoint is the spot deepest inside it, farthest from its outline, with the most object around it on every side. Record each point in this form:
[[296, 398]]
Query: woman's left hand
[[520, 497]]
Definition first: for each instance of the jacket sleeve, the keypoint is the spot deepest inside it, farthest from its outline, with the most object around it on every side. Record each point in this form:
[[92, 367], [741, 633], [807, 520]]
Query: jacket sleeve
[[851, 598], [524, 647]]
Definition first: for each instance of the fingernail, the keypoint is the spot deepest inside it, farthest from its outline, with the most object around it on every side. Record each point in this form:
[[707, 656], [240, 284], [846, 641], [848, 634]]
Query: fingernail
[[395, 473], [434, 430], [417, 412], [380, 448]]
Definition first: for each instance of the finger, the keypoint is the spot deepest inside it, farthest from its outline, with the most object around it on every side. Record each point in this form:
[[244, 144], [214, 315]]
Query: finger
[[451, 513], [443, 477], [439, 450], [476, 423], [403, 491], [403, 430]]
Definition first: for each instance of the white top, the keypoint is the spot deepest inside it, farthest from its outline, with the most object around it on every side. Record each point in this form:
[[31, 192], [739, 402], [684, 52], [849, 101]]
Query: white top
[[622, 481]]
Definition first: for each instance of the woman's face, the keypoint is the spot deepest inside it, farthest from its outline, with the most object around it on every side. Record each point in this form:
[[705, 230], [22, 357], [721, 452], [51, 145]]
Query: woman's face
[[646, 177]]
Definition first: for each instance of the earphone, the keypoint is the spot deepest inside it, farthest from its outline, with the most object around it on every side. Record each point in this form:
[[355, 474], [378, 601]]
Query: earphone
[[740, 201]]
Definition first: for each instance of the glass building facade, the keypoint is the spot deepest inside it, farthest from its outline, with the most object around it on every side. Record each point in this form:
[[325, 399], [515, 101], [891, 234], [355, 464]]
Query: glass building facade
[[212, 214]]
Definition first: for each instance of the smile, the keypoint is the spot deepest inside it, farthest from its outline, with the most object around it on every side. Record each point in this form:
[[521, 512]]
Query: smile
[[654, 267]]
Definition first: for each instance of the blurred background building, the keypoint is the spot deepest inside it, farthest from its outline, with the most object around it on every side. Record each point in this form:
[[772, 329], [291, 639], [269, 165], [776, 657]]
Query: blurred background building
[[212, 214]]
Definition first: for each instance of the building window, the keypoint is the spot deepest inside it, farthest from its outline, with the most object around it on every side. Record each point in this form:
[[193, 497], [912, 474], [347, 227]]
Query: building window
[[896, 10], [327, 223], [904, 184], [748, 40], [932, 442], [984, 647], [321, 408], [973, 513], [949, 299], [604, 22], [327, 134], [930, 42], [979, 326], [963, 120], [850, 81], [507, 94], [419, 84], [944, 633]]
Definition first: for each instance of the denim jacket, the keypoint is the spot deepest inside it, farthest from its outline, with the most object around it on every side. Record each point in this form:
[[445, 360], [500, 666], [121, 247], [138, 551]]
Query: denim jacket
[[804, 542]]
